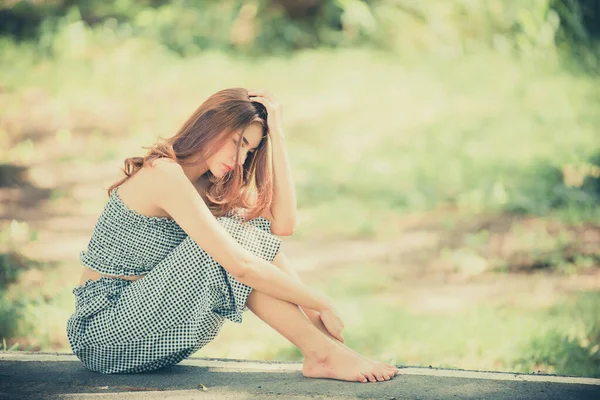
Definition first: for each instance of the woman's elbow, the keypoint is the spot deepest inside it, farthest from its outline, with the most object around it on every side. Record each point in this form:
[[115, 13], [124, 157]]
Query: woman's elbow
[[242, 267], [282, 230], [284, 227], [248, 272]]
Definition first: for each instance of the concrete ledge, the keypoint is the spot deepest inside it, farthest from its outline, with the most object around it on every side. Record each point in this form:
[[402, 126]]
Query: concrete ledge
[[61, 375]]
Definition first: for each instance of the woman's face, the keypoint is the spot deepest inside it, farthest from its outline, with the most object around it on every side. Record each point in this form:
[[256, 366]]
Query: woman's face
[[223, 160]]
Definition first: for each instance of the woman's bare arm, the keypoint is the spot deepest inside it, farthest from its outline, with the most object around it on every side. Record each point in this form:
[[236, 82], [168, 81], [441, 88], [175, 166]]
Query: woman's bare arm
[[175, 194], [283, 208], [282, 212]]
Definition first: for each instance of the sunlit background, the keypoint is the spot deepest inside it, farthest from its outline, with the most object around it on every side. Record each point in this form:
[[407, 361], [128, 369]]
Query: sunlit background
[[446, 155]]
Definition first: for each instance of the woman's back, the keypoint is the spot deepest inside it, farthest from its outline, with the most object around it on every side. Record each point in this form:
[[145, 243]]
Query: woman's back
[[134, 191], [128, 243]]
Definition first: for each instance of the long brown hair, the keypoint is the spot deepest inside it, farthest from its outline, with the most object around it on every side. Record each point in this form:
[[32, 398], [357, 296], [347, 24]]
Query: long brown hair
[[205, 131]]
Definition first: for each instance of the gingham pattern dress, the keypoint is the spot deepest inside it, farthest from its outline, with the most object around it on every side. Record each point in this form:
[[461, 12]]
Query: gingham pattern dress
[[123, 326]]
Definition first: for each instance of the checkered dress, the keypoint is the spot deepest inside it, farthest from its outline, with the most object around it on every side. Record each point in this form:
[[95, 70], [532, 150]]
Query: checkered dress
[[122, 326]]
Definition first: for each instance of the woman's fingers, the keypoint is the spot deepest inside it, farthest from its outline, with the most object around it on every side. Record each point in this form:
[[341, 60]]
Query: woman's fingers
[[266, 96], [261, 92], [333, 323], [270, 105], [338, 336], [262, 100]]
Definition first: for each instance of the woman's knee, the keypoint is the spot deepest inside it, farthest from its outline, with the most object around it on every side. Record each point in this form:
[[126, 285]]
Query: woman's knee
[[280, 260], [254, 235]]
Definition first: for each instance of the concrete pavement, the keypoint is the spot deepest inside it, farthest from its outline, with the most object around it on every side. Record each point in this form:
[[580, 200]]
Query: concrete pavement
[[53, 375]]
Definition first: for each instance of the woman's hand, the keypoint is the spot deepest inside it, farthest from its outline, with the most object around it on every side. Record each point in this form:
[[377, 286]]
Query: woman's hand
[[333, 323], [273, 107]]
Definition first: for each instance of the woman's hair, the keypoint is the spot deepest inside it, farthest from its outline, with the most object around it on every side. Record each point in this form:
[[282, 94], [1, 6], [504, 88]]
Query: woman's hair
[[205, 131]]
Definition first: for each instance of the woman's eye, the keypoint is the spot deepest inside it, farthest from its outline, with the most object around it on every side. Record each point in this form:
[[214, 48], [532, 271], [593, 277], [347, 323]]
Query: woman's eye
[[236, 142]]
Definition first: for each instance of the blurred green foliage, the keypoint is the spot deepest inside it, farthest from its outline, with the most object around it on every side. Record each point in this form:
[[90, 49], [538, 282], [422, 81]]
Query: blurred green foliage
[[279, 26], [570, 350], [12, 265]]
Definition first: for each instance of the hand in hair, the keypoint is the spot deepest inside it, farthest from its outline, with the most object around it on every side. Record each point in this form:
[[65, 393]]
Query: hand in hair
[[274, 109]]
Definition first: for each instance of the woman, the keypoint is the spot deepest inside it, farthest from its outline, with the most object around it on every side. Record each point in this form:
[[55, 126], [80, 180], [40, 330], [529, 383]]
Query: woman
[[187, 239]]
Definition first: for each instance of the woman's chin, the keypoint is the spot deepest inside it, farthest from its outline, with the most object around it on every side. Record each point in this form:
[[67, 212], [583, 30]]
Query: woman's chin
[[219, 173]]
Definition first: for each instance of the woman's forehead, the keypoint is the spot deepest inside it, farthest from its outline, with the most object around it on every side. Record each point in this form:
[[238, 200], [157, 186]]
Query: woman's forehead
[[252, 133]]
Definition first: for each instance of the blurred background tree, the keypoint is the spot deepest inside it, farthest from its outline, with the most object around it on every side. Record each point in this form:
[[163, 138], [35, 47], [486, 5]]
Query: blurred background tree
[[278, 26]]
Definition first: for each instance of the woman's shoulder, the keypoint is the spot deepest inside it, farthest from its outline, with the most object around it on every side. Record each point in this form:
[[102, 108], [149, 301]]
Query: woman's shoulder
[[141, 191], [164, 164], [154, 175], [161, 169]]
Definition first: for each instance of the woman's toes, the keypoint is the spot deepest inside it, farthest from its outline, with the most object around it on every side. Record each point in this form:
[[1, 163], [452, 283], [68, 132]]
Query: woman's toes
[[371, 377], [388, 366], [361, 378]]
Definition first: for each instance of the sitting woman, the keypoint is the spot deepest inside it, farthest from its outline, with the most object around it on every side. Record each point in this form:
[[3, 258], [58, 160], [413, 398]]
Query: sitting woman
[[187, 239]]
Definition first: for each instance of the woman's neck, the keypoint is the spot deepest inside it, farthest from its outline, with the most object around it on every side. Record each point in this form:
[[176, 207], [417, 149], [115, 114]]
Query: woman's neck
[[193, 169], [202, 184]]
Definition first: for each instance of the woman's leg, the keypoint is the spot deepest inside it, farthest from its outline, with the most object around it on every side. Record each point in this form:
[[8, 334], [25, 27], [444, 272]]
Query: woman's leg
[[282, 263], [323, 357]]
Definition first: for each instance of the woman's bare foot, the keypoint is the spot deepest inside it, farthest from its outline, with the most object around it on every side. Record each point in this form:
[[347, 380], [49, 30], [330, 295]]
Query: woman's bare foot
[[391, 367], [317, 321], [344, 364]]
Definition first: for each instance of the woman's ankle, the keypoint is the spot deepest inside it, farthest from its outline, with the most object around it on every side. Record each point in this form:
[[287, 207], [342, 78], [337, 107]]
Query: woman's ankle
[[321, 352]]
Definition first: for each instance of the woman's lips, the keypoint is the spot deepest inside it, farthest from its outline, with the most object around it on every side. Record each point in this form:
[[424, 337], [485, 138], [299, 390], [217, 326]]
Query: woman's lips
[[227, 167]]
